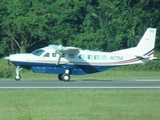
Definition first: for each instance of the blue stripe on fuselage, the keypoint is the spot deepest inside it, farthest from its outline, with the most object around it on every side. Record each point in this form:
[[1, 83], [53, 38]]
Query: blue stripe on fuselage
[[60, 69]]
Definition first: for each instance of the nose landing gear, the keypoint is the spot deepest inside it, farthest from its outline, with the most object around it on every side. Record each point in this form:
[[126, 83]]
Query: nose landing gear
[[17, 76]]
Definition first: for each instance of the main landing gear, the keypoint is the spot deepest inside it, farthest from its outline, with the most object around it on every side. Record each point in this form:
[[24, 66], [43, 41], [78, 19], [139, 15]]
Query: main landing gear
[[64, 77], [17, 76]]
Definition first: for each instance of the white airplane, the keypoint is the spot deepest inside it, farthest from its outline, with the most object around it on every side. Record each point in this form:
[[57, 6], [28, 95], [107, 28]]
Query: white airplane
[[66, 61]]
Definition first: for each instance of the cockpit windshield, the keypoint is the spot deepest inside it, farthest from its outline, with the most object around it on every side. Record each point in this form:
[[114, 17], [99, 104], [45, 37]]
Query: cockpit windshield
[[38, 52]]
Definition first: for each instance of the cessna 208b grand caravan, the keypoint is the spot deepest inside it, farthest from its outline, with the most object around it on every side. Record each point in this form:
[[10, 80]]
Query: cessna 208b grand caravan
[[64, 61]]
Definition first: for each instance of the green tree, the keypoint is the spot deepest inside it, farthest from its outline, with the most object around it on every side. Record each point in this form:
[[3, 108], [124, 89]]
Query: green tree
[[23, 24], [90, 24]]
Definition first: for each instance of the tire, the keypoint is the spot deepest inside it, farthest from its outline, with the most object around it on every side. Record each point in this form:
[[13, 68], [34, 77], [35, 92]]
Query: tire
[[17, 77], [66, 77], [60, 77]]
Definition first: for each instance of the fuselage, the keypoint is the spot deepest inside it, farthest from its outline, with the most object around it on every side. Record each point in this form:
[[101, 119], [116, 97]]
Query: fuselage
[[44, 60]]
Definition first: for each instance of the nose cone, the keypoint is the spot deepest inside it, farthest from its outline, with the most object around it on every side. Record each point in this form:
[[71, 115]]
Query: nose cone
[[7, 58], [19, 57]]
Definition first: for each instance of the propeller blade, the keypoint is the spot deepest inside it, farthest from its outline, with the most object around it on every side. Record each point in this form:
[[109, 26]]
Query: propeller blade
[[9, 64]]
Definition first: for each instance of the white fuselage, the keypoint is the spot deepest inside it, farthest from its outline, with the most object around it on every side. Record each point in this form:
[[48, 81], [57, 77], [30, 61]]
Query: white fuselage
[[84, 57]]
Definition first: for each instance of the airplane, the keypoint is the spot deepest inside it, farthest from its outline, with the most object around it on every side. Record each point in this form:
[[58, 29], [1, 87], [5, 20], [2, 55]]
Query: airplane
[[66, 61]]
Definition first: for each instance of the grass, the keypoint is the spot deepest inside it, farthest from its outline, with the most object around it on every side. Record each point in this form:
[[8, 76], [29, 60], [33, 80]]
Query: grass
[[79, 104], [87, 104]]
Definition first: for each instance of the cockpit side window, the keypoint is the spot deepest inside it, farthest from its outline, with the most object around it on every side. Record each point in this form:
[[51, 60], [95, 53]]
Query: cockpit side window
[[46, 55], [38, 52]]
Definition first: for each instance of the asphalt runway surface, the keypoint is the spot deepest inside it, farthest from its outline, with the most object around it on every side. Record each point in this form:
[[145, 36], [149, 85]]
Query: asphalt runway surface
[[81, 84]]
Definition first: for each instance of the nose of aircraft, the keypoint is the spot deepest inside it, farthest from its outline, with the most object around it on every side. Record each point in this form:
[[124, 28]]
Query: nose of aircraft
[[7, 58]]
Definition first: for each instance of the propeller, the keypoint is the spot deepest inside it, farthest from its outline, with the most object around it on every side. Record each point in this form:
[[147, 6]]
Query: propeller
[[59, 52], [9, 64], [8, 59], [61, 49]]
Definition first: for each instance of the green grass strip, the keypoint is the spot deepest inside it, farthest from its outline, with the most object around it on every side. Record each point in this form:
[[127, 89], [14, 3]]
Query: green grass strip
[[79, 104]]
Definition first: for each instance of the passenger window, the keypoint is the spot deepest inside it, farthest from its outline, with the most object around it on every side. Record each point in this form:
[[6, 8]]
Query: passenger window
[[46, 55], [90, 56], [71, 55], [81, 56], [53, 54], [104, 57], [96, 57]]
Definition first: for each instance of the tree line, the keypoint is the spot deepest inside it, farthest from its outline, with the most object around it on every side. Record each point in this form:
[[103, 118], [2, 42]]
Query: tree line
[[104, 25]]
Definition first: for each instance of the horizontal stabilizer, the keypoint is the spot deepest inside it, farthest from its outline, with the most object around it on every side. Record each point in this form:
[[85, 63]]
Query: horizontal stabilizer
[[155, 58], [142, 56]]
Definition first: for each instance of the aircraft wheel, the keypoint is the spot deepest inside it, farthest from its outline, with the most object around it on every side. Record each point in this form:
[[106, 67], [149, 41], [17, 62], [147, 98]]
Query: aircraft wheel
[[66, 77], [60, 77], [17, 77]]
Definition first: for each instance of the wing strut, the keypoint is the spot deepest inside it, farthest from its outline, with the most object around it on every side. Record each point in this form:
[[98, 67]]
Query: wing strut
[[59, 58], [59, 52]]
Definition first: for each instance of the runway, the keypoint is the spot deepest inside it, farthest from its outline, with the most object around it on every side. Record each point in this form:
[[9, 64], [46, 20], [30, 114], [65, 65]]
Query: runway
[[81, 84]]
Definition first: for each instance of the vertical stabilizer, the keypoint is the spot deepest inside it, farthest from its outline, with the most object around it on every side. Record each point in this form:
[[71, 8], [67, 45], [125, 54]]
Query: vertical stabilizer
[[147, 43]]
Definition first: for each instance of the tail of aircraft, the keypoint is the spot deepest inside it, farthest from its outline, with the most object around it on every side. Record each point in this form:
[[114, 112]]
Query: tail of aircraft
[[146, 45]]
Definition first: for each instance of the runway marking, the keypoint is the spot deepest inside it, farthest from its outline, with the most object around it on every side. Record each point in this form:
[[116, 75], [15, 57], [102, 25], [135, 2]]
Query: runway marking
[[80, 87], [148, 80]]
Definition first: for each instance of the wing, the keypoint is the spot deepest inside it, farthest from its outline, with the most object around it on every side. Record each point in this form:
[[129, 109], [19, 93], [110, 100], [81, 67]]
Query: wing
[[64, 50], [71, 50]]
